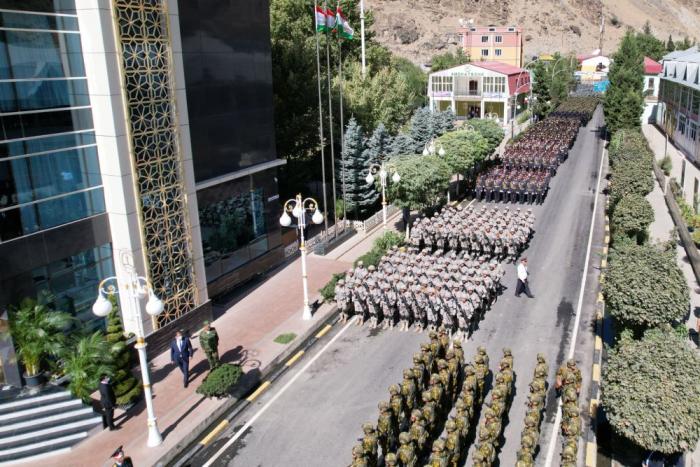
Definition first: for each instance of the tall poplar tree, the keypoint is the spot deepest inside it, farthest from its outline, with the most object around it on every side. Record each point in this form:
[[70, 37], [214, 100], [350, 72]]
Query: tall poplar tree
[[624, 99]]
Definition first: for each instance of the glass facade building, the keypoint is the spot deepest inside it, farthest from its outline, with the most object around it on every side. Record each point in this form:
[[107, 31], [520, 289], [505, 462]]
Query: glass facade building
[[54, 235]]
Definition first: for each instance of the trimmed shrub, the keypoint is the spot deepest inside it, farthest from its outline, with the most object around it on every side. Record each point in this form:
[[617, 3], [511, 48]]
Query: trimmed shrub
[[219, 382], [489, 129], [644, 287], [651, 393], [328, 290], [628, 178], [631, 218], [127, 388]]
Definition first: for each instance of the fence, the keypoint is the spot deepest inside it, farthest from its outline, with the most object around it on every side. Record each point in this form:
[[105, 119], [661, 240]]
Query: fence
[[683, 233]]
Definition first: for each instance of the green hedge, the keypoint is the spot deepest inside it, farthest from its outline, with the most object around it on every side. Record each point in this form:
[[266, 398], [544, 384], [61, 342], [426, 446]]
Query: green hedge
[[644, 287], [631, 218], [328, 290], [219, 382]]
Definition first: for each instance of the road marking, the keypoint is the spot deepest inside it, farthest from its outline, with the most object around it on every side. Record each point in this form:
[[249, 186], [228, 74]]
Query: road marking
[[596, 373], [258, 391], [603, 263], [605, 250], [607, 240], [219, 428], [598, 343], [262, 410], [323, 331], [296, 357], [593, 407], [600, 297], [591, 452], [584, 276]]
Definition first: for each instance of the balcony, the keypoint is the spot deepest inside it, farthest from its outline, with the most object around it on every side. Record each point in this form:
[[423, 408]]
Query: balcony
[[467, 93]]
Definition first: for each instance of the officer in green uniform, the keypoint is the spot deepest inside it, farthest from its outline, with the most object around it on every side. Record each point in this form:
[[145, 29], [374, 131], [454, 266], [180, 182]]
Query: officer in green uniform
[[470, 383], [406, 453], [209, 340], [446, 380], [419, 371], [369, 444], [468, 399], [498, 404]]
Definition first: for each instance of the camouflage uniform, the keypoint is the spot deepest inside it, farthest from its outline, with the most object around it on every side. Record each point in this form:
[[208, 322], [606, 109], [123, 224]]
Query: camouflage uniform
[[386, 428], [369, 444], [406, 454]]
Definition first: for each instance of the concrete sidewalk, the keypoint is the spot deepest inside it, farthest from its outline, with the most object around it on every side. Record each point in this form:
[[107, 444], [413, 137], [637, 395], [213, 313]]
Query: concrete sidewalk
[[246, 330], [660, 231]]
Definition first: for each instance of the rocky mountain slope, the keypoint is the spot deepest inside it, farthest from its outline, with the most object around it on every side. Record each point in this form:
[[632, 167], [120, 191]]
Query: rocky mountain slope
[[418, 29]]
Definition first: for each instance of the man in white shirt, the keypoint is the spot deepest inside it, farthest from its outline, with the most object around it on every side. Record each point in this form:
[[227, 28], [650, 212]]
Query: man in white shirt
[[523, 285]]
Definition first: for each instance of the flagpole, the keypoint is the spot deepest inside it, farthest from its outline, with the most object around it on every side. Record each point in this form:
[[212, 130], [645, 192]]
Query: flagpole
[[330, 125], [362, 35], [320, 120], [342, 124]]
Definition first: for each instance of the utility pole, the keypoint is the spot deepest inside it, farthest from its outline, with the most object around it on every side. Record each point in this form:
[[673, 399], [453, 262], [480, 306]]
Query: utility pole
[[602, 30]]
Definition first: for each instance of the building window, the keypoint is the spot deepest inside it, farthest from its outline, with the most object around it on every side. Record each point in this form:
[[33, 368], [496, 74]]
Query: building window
[[484, 52], [696, 103], [494, 85], [484, 39], [233, 232], [511, 29], [681, 124], [499, 39], [498, 52], [692, 131], [442, 84], [492, 29], [72, 282]]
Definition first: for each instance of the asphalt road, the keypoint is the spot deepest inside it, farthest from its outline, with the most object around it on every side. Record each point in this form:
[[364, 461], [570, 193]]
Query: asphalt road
[[317, 418]]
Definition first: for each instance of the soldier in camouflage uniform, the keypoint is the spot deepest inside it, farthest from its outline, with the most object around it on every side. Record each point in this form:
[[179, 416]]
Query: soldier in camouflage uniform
[[438, 458], [541, 369], [418, 431], [398, 408], [406, 453], [358, 457], [429, 412], [409, 390], [453, 445], [369, 444], [391, 460], [342, 300], [569, 374], [209, 340], [386, 428]]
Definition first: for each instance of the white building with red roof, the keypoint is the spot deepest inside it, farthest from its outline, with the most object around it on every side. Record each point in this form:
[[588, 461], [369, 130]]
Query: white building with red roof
[[480, 89]]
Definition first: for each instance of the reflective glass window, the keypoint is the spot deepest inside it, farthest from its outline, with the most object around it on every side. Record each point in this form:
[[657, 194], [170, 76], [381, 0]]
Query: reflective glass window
[[42, 54], [32, 21], [37, 95], [48, 6], [70, 208]]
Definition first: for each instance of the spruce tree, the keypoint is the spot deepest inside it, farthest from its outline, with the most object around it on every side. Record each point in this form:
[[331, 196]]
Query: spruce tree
[[624, 99], [670, 45], [352, 171], [378, 145], [443, 121], [422, 129], [402, 145], [127, 388]]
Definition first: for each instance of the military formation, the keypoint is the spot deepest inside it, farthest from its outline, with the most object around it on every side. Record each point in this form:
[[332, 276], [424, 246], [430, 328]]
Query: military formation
[[568, 385], [581, 106], [407, 432], [493, 233], [424, 290], [512, 185], [527, 165], [534, 409], [491, 426], [543, 146]]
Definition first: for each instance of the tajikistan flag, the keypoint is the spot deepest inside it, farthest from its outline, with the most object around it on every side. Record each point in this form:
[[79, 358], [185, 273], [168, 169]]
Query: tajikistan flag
[[321, 20], [342, 25]]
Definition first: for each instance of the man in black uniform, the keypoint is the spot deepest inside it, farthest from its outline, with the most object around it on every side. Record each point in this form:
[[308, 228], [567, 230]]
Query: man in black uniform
[[108, 401]]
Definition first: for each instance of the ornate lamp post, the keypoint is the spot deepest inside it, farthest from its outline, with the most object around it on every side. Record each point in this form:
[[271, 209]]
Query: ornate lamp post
[[134, 288], [298, 207], [383, 174], [431, 149]]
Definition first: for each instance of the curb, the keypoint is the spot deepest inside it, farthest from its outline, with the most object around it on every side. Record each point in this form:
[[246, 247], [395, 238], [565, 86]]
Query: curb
[[591, 453], [198, 438]]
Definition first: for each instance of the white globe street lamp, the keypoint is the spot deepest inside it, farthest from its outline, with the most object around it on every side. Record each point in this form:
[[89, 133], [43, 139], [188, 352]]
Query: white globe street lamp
[[133, 288], [298, 207], [383, 174]]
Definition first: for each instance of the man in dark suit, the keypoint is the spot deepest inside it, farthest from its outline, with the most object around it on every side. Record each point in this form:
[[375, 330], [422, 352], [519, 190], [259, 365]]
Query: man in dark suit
[[108, 401], [180, 353]]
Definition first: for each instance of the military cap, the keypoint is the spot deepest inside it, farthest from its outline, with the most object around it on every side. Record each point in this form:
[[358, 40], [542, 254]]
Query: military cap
[[460, 405], [404, 438], [417, 414], [383, 405], [341, 282], [371, 267], [407, 373], [571, 363], [540, 358], [357, 450], [457, 343], [469, 369], [417, 357], [450, 425], [481, 349], [368, 428], [489, 413], [450, 354], [442, 363], [507, 352], [394, 389], [438, 445]]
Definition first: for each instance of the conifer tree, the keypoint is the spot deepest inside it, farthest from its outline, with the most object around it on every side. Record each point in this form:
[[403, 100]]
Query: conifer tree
[[422, 129], [126, 387], [401, 145], [624, 100], [670, 45], [353, 169], [378, 145]]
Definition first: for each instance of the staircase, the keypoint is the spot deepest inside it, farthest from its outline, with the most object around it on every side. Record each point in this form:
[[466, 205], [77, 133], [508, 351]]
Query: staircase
[[31, 427]]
